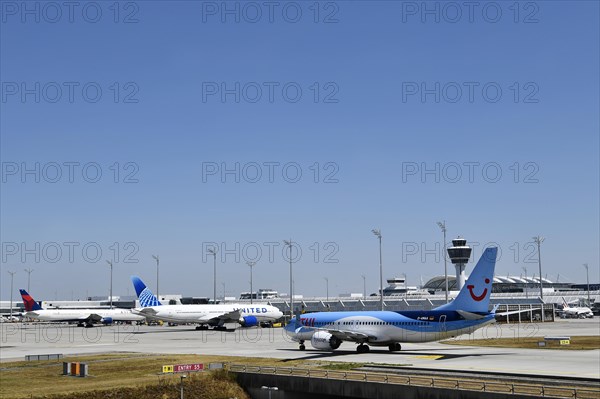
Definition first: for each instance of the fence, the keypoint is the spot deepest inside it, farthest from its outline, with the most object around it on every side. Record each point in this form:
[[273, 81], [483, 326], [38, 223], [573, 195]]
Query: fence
[[503, 387]]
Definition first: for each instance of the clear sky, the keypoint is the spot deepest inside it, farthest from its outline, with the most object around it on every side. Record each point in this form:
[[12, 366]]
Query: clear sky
[[152, 127]]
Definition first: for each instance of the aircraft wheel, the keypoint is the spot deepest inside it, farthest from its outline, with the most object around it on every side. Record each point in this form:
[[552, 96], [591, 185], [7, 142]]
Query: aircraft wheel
[[302, 347], [395, 347], [362, 348]]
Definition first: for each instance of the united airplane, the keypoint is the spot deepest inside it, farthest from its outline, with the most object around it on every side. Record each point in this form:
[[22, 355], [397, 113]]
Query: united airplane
[[468, 312], [80, 316], [206, 315]]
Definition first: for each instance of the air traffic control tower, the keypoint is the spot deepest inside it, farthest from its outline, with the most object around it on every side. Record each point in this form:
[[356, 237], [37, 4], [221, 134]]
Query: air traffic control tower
[[459, 254]]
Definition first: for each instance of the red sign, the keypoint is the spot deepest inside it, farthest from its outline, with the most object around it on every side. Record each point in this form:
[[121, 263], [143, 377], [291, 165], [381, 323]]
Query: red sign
[[182, 368]]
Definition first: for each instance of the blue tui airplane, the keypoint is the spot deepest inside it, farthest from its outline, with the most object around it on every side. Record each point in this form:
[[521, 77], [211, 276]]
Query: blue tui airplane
[[468, 312]]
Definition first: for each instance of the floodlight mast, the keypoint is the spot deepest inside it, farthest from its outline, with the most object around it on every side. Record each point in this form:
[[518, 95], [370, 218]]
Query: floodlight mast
[[111, 280], [377, 233], [12, 276], [213, 252], [28, 271], [587, 274], [251, 264], [155, 257], [288, 243]]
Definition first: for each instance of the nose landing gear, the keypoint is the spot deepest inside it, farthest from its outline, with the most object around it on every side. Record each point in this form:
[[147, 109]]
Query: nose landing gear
[[395, 347]]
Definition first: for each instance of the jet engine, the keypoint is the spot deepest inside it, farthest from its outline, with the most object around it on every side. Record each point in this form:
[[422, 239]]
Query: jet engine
[[325, 341], [106, 320], [249, 321]]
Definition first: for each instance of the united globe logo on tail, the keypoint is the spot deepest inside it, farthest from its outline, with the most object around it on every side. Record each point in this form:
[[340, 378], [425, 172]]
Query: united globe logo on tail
[[145, 296]]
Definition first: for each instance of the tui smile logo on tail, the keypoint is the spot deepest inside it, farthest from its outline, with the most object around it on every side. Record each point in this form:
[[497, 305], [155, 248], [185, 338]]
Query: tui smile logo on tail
[[478, 298]]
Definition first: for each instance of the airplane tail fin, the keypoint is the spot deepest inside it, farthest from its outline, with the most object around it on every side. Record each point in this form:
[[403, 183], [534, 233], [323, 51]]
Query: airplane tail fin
[[29, 302], [144, 294], [565, 304], [475, 295]]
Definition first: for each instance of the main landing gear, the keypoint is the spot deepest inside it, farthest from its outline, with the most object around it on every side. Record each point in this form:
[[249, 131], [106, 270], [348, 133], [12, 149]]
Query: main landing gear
[[395, 347], [362, 348], [302, 346]]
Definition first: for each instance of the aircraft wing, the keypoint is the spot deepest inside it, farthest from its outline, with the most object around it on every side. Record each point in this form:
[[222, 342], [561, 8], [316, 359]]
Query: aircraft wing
[[229, 317], [347, 335], [94, 318]]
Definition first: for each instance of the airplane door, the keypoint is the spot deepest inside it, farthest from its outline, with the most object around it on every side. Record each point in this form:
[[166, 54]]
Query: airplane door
[[443, 323]]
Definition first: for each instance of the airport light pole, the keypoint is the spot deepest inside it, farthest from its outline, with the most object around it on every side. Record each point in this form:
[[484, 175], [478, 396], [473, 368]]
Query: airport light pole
[[155, 257], [28, 271], [539, 240], [587, 274], [12, 275], [377, 233], [223, 284], [327, 287], [111, 272], [443, 227], [181, 378], [526, 283], [251, 264], [364, 285], [289, 245], [213, 252]]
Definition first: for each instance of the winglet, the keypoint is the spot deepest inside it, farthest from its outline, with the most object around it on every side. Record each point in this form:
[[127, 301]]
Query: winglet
[[29, 302], [144, 294]]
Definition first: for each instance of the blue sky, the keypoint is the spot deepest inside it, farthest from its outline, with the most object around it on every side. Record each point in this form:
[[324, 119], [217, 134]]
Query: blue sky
[[379, 106]]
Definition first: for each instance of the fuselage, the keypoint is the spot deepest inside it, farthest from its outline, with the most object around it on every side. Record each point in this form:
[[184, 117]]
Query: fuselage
[[384, 327], [578, 312], [82, 314], [205, 313]]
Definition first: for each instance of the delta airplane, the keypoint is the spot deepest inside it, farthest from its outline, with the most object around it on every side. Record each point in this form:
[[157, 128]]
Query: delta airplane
[[465, 314], [576, 312], [85, 317], [206, 315]]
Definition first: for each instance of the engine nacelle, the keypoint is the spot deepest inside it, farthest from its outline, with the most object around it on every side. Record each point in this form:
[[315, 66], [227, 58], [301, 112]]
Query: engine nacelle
[[324, 341], [249, 321], [106, 320]]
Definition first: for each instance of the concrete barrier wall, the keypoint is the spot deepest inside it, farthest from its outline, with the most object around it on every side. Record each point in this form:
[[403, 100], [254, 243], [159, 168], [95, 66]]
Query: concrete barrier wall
[[293, 387]]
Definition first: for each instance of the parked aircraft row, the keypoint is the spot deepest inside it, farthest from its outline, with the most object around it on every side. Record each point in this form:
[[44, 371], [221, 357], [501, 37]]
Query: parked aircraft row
[[216, 316], [468, 312]]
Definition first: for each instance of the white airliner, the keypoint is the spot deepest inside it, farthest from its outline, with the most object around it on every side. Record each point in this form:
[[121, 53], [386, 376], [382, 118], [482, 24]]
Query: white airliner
[[81, 316], [465, 314], [206, 315], [576, 312]]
